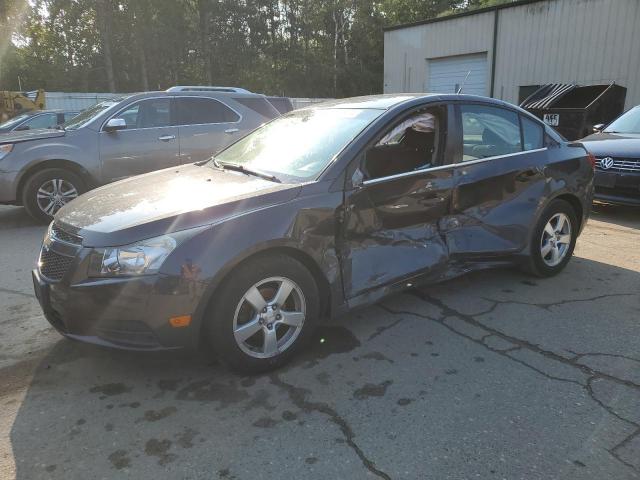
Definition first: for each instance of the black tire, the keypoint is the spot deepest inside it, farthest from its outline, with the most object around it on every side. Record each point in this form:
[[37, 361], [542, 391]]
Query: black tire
[[40, 178], [219, 327], [537, 264]]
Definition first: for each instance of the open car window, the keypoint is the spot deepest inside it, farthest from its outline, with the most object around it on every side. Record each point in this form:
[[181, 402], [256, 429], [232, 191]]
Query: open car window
[[410, 145]]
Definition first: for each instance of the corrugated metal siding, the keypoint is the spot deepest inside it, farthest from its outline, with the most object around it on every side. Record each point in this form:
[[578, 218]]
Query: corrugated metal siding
[[569, 41], [407, 51], [554, 41], [75, 101]]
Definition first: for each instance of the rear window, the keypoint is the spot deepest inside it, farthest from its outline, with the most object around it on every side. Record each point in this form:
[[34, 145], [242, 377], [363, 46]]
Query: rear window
[[197, 111], [283, 104], [258, 105]]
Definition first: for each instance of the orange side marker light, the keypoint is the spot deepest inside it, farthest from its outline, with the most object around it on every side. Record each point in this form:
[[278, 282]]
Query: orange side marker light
[[180, 321]]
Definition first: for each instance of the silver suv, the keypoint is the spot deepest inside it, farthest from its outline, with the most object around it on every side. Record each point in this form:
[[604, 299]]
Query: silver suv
[[44, 169]]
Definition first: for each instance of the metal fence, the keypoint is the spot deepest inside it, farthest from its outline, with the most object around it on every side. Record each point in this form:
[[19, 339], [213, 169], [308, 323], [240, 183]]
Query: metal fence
[[80, 101]]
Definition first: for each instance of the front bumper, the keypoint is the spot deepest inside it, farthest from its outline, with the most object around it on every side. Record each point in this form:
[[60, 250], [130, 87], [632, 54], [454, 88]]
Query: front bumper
[[127, 313], [617, 187]]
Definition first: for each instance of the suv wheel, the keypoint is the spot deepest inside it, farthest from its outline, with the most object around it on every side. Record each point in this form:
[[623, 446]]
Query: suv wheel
[[554, 239], [263, 314], [46, 191]]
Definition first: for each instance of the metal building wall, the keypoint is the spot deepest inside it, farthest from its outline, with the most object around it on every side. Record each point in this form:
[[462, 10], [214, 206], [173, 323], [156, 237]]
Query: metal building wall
[[582, 41], [569, 41], [406, 50]]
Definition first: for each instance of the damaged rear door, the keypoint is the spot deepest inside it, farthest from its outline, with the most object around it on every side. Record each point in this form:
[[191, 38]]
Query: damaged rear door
[[391, 227]]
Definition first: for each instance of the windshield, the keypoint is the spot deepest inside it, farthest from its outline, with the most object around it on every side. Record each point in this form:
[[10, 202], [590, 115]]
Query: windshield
[[89, 114], [14, 121], [300, 144], [628, 122]]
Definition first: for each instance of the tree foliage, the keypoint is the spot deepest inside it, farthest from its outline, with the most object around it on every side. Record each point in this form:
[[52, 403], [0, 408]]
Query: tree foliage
[[319, 48]]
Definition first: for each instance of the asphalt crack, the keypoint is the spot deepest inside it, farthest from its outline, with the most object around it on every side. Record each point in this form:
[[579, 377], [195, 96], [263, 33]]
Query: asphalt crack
[[592, 374], [298, 396], [547, 306]]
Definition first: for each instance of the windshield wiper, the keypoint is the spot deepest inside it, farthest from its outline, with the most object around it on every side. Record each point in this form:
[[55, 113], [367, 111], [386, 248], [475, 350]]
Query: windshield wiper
[[240, 168]]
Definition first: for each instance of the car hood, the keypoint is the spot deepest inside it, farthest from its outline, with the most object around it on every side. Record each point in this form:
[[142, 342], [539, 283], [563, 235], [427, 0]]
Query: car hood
[[613, 144], [26, 135], [166, 201]]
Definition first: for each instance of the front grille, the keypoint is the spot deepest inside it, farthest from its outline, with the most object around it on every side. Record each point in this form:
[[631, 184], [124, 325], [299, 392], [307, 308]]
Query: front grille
[[63, 236], [620, 165], [53, 265]]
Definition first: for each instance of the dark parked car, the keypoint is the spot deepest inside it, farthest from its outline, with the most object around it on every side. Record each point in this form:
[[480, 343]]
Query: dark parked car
[[317, 212], [617, 151], [37, 119], [45, 169]]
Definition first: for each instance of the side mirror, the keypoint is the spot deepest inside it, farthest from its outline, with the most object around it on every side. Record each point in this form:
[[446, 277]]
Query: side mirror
[[115, 124], [22, 127], [598, 128]]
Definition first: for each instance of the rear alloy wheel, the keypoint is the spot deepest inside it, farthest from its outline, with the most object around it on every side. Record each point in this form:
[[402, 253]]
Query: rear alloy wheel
[[554, 239], [263, 313], [47, 191]]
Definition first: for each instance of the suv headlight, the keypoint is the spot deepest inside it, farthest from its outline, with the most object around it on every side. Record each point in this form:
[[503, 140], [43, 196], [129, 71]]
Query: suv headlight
[[140, 258], [5, 150]]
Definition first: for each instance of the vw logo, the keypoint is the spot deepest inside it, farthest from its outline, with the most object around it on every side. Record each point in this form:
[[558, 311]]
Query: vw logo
[[606, 163]]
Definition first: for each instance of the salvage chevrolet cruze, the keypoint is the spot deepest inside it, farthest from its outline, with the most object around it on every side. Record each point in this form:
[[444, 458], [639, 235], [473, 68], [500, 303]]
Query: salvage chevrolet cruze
[[317, 212]]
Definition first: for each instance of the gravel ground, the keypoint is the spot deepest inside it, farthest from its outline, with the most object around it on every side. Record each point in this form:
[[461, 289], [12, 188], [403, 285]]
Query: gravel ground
[[492, 375]]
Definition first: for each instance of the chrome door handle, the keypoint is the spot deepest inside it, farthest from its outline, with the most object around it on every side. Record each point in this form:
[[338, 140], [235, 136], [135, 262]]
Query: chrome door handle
[[231, 130], [166, 138]]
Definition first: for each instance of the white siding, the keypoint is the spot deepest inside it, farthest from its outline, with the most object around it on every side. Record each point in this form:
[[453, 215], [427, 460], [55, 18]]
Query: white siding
[[449, 74], [581, 41]]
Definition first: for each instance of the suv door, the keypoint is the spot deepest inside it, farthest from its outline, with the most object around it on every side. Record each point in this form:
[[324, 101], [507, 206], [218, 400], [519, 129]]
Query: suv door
[[206, 125], [150, 141], [499, 180], [391, 229]]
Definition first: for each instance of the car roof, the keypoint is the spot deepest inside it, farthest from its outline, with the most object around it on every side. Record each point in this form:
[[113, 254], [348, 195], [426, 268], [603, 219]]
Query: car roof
[[390, 100]]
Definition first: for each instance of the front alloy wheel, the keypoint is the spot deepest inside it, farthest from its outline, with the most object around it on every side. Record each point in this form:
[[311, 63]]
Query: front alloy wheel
[[263, 313], [269, 317], [55, 193]]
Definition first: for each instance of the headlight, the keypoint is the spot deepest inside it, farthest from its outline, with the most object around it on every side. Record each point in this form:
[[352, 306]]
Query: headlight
[[140, 258], [5, 150]]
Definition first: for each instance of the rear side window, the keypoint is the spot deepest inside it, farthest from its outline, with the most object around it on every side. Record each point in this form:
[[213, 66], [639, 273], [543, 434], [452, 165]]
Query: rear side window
[[532, 134], [258, 105], [197, 111], [489, 132]]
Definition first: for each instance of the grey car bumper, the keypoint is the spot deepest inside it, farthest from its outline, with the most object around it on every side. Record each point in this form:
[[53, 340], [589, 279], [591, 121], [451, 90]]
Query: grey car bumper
[[8, 182]]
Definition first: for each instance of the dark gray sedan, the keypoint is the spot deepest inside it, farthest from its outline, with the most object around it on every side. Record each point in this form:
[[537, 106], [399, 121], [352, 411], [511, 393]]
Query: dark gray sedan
[[317, 212]]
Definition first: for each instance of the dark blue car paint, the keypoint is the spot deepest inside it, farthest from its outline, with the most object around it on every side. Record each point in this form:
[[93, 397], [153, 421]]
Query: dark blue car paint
[[360, 242]]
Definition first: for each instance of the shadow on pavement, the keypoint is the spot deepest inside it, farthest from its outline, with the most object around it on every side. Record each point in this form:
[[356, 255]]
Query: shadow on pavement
[[15, 217], [94, 412], [617, 214]]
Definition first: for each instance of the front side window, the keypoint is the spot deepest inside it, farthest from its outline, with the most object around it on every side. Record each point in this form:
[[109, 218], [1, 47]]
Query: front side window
[[489, 132], [409, 145], [152, 113], [299, 145], [48, 120], [198, 111], [90, 114]]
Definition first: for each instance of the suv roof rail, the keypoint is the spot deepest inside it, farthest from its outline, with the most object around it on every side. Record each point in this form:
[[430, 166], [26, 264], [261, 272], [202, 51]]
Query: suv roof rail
[[206, 88]]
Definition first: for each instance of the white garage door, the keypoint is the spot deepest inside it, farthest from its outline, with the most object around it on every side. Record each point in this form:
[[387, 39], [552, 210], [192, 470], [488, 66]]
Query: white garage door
[[446, 75]]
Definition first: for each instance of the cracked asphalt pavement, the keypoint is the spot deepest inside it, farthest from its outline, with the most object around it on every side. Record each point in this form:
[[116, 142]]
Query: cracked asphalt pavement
[[492, 375]]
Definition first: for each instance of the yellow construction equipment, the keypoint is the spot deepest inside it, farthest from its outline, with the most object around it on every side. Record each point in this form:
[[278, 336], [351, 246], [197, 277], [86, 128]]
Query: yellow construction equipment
[[14, 103]]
